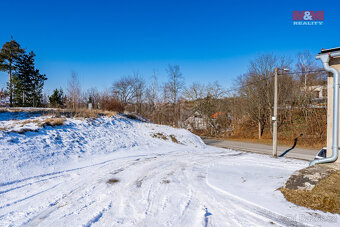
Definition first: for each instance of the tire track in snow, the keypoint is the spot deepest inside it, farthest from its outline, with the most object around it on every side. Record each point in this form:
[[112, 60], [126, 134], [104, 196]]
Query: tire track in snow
[[28, 197], [29, 184], [202, 186], [59, 173], [182, 199], [256, 209], [81, 191]]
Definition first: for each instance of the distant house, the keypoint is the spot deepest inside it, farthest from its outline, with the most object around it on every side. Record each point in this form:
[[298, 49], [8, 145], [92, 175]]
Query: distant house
[[319, 92], [195, 122]]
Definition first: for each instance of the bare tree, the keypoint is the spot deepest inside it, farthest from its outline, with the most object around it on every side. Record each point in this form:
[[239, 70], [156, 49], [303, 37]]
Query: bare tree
[[166, 93], [73, 92], [152, 98], [215, 90], [130, 91], [256, 87], [195, 92], [138, 90], [123, 90], [309, 75], [175, 86], [175, 82], [154, 89], [305, 64]]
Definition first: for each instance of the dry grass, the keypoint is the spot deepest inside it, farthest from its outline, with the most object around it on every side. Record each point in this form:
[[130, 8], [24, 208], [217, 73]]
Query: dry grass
[[39, 122], [52, 117], [85, 113], [324, 196], [159, 135], [29, 121], [46, 122], [173, 139], [53, 122]]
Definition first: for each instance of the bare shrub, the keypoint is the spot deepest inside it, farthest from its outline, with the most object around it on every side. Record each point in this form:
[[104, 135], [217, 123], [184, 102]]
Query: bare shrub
[[110, 103]]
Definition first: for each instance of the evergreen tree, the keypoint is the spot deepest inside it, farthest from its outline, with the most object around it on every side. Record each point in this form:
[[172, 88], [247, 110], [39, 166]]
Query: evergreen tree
[[57, 98], [28, 82], [9, 55]]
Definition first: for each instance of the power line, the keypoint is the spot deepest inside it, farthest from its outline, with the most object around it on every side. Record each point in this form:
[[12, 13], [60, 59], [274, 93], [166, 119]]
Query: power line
[[296, 72]]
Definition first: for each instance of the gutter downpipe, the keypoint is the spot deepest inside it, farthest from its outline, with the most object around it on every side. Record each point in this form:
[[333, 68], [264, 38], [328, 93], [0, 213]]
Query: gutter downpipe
[[335, 144]]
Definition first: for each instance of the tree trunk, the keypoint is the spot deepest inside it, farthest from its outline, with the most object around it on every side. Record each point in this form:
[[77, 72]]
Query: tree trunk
[[10, 85], [260, 130]]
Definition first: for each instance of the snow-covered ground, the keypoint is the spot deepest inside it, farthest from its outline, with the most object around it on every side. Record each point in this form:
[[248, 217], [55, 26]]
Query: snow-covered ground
[[121, 172]]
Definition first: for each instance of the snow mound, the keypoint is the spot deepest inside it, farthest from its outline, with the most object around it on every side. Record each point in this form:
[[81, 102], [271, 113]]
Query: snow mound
[[44, 148]]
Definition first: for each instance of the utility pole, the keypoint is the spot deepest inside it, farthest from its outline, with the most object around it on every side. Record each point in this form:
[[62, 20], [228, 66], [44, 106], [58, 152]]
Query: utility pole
[[274, 118]]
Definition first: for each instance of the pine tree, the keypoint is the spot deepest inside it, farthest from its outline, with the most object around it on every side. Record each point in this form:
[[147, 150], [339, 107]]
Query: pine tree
[[9, 55], [57, 99], [28, 82]]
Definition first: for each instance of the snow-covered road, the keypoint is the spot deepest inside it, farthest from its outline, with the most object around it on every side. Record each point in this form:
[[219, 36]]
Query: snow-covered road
[[157, 184]]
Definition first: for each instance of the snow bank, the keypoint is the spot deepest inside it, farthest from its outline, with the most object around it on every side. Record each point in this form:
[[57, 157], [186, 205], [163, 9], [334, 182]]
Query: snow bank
[[42, 149]]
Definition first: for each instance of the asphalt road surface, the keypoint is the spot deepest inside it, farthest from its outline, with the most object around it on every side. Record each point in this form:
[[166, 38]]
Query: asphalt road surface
[[297, 153]]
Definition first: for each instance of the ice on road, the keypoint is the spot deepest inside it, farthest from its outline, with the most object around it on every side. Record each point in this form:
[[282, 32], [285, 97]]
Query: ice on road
[[150, 182]]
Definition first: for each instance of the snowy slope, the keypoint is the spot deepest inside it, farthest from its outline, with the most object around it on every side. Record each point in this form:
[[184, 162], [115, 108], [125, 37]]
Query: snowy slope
[[78, 140], [120, 172]]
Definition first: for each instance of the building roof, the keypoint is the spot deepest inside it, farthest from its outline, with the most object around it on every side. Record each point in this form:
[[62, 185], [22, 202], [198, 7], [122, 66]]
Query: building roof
[[323, 51]]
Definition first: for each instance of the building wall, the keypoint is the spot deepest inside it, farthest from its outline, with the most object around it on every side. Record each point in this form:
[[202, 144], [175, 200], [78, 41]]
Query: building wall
[[335, 62]]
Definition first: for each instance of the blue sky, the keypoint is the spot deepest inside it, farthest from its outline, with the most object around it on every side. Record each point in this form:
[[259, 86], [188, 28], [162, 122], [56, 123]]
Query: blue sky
[[210, 40]]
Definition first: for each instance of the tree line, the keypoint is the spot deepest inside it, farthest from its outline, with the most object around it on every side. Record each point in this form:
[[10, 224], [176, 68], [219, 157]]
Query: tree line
[[242, 110]]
